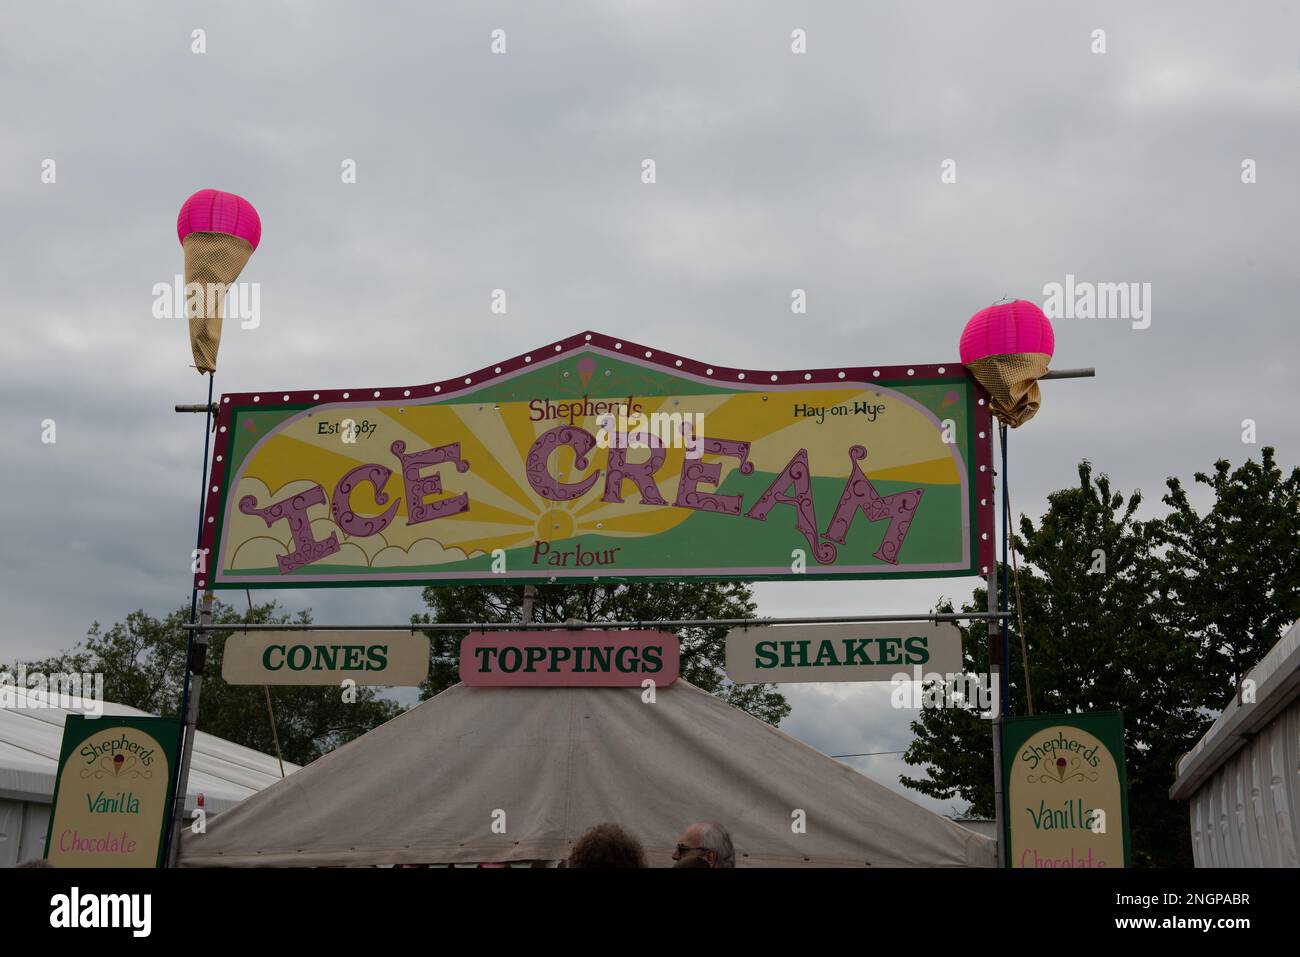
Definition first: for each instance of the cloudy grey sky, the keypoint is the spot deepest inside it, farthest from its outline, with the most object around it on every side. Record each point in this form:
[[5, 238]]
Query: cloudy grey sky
[[521, 171]]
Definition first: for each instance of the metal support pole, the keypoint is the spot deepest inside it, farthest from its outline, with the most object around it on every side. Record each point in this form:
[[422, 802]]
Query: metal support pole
[[1069, 374], [194, 667], [1002, 595], [995, 688], [210, 409], [526, 612]]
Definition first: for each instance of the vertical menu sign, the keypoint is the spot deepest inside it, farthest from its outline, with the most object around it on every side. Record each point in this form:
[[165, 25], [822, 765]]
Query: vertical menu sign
[[113, 792], [1066, 793]]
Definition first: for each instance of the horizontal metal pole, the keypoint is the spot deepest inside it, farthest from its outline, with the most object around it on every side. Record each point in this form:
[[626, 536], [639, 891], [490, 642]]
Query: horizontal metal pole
[[612, 625], [198, 408]]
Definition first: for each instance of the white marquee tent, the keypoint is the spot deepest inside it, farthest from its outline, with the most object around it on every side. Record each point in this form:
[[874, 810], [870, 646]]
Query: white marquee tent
[[1242, 779], [31, 734], [548, 763]]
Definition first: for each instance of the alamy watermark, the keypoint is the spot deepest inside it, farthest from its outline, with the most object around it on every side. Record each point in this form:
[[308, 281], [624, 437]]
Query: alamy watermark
[[655, 430], [1098, 300], [968, 690], [83, 693], [184, 300]]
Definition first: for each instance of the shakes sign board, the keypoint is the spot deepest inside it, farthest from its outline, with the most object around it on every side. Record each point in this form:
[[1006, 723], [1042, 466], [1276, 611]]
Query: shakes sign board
[[869, 652], [112, 793], [597, 458], [1066, 793]]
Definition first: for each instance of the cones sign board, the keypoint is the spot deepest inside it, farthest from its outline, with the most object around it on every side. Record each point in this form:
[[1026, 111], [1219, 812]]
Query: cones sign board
[[325, 658], [597, 458], [866, 652]]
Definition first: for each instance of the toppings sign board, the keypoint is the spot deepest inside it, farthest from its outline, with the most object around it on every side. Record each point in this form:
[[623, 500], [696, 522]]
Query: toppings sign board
[[569, 659], [598, 458]]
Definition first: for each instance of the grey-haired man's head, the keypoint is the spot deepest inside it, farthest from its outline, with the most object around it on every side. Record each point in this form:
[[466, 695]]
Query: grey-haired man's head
[[707, 841]]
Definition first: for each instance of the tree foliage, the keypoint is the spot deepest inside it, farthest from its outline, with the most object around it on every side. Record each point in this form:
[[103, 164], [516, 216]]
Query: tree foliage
[[1158, 618], [1232, 574], [142, 659]]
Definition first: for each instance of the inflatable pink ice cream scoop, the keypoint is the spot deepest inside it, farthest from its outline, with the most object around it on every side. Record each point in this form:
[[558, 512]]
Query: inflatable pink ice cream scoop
[[218, 232], [1007, 347]]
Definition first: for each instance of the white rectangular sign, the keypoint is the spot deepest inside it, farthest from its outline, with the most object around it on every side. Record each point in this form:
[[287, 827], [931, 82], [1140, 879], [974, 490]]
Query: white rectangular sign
[[325, 658], [867, 652]]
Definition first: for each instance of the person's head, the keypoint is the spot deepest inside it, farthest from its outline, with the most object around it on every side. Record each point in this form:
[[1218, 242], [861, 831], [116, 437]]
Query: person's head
[[607, 845], [708, 841]]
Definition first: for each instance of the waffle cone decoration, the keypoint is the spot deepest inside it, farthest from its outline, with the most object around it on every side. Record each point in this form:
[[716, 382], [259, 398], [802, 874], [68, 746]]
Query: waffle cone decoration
[[218, 232], [1007, 348]]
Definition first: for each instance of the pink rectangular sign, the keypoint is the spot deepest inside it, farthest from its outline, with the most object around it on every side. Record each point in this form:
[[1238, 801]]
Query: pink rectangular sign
[[569, 658]]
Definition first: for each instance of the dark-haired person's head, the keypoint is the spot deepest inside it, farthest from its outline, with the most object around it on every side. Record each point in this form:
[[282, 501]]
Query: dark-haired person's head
[[607, 845]]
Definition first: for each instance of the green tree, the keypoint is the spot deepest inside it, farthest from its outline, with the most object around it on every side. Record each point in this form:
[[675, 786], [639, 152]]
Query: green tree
[[142, 660], [703, 648], [954, 745], [1095, 620], [1233, 573]]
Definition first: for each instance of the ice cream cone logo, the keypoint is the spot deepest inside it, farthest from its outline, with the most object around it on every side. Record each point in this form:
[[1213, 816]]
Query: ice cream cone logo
[[1060, 768], [218, 232], [586, 366], [116, 764], [949, 398]]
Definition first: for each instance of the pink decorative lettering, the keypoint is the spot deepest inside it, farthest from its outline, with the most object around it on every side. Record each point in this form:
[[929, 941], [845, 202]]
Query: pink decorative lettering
[[350, 521], [798, 474], [294, 510], [694, 472], [642, 473], [539, 456], [859, 493], [418, 486]]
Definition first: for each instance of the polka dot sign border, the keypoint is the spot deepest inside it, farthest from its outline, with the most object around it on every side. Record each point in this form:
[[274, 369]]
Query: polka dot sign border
[[746, 379]]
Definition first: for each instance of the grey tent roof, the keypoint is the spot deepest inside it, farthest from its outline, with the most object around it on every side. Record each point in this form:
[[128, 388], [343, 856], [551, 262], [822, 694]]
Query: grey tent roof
[[427, 786]]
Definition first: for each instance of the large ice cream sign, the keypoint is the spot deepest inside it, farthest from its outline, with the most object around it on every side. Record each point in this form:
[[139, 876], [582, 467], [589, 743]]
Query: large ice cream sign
[[597, 458]]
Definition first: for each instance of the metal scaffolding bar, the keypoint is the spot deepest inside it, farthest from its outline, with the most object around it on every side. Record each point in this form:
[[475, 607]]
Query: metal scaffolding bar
[[609, 625]]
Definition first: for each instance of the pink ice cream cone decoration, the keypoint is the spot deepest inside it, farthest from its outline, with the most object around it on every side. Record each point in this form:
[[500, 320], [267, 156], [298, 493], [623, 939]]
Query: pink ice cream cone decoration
[[1007, 347], [586, 366], [218, 232]]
